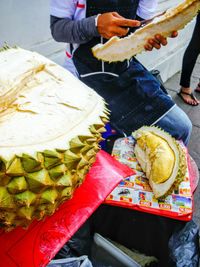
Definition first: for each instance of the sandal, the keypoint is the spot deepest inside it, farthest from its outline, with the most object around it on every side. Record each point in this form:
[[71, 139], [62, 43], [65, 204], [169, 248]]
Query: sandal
[[197, 90], [186, 101]]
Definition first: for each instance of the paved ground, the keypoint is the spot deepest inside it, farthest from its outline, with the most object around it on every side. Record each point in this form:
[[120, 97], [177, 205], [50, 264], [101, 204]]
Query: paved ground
[[194, 114]]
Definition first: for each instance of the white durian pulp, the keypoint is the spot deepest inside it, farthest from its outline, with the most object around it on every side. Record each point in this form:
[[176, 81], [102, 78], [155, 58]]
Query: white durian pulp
[[43, 106]]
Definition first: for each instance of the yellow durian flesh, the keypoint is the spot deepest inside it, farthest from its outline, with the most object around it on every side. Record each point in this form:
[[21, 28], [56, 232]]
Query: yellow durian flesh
[[162, 159], [160, 155]]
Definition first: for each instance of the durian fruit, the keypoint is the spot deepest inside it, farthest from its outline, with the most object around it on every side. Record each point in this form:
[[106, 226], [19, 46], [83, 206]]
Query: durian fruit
[[174, 19], [162, 159], [50, 127]]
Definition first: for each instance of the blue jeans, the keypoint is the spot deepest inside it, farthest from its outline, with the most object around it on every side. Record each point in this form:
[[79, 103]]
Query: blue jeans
[[177, 123]]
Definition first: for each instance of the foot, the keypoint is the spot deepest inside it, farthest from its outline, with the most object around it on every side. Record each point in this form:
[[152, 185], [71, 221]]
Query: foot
[[198, 88], [187, 96]]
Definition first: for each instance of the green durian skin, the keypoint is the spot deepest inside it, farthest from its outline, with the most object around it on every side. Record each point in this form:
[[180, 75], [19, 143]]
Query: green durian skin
[[17, 185], [30, 164], [34, 187]]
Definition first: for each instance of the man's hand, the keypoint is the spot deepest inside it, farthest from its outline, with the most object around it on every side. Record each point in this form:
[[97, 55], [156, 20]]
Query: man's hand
[[112, 24], [158, 41]]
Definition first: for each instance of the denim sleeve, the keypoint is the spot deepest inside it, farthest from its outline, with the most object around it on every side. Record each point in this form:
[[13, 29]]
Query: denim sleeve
[[70, 31]]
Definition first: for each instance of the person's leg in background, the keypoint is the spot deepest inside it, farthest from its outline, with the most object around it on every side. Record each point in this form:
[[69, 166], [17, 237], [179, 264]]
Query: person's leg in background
[[189, 61], [176, 123]]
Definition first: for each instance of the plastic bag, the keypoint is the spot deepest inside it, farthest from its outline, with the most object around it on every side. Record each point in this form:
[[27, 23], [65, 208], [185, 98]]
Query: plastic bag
[[80, 244], [82, 261], [184, 246]]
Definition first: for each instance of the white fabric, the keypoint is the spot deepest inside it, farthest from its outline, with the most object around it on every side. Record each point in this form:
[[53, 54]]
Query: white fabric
[[74, 9], [68, 9], [147, 8]]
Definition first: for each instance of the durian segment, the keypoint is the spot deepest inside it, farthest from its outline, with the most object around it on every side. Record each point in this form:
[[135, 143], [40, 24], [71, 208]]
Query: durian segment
[[119, 49], [50, 129], [161, 158], [164, 189]]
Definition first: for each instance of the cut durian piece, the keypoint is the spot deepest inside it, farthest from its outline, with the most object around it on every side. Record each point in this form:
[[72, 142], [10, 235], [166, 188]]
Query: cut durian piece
[[51, 124], [162, 159], [119, 49]]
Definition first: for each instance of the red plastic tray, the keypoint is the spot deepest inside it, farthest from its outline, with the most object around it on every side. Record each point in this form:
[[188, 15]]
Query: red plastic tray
[[37, 245]]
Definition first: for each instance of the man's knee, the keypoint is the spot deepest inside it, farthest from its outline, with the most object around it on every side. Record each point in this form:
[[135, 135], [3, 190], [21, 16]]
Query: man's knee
[[187, 126], [177, 123], [186, 130]]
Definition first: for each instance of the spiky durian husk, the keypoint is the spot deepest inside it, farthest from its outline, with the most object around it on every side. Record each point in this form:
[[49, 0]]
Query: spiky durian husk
[[179, 170], [35, 178], [119, 49], [31, 188]]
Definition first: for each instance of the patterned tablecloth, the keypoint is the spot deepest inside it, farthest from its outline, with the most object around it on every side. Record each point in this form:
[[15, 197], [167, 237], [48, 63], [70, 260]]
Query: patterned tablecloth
[[135, 192]]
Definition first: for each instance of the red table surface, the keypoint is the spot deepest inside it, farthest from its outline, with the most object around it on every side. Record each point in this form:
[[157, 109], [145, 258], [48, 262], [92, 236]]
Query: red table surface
[[37, 245]]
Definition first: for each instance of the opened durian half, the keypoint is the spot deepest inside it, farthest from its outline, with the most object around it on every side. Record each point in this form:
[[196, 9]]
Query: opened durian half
[[50, 127], [162, 159]]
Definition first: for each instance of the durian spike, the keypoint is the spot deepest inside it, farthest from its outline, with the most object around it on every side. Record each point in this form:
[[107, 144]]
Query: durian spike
[[4, 47]]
